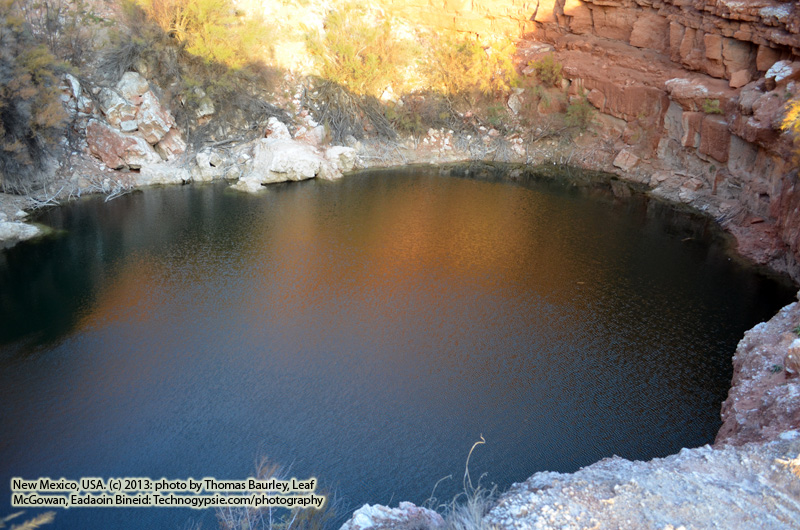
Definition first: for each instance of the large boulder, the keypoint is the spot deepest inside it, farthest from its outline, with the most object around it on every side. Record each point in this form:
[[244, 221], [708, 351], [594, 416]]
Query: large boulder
[[116, 108], [12, 231], [117, 149], [282, 160], [171, 145], [154, 121], [132, 85], [152, 174], [782, 72]]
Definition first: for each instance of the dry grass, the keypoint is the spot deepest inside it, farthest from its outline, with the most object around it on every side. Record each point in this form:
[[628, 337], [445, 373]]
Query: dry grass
[[273, 518], [468, 509], [31, 524]]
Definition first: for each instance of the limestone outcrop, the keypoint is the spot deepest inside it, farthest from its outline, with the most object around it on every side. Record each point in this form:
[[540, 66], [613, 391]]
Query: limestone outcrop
[[134, 129], [14, 231], [764, 399], [279, 158], [732, 487], [405, 516]]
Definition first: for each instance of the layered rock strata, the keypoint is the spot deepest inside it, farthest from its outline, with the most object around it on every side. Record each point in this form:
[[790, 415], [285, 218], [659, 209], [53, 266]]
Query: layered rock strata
[[695, 90]]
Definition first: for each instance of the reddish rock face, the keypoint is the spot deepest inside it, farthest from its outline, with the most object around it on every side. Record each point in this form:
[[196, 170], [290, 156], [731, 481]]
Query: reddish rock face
[[703, 85], [715, 138], [171, 145], [117, 149], [652, 32]]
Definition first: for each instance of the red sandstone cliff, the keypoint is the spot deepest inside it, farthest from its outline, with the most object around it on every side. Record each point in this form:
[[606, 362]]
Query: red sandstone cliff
[[691, 92]]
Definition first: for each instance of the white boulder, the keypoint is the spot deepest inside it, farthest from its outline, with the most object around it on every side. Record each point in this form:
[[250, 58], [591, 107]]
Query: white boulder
[[277, 130], [151, 174], [344, 158], [132, 85], [13, 231]]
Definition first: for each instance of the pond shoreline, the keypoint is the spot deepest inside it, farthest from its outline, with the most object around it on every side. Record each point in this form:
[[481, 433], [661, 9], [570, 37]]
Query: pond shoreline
[[758, 433]]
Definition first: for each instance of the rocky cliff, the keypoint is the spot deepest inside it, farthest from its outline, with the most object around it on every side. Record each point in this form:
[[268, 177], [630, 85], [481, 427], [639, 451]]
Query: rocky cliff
[[695, 91]]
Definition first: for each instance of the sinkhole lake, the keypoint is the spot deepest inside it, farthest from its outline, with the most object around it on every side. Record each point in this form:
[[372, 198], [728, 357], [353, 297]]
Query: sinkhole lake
[[365, 332]]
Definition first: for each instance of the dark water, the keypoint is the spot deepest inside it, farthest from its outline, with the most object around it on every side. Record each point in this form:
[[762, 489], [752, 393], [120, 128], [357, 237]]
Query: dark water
[[365, 332]]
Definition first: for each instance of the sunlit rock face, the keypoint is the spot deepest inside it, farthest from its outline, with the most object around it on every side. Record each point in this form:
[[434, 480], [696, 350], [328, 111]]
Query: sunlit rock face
[[694, 90]]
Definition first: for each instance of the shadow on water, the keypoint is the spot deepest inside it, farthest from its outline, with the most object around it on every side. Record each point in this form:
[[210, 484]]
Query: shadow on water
[[45, 285]]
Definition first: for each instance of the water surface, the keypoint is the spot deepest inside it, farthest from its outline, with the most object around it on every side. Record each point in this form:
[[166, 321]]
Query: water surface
[[365, 332]]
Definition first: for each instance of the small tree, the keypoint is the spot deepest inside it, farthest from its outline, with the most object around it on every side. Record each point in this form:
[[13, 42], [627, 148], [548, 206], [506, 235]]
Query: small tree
[[211, 29], [31, 115], [548, 70], [464, 68], [357, 50], [579, 114]]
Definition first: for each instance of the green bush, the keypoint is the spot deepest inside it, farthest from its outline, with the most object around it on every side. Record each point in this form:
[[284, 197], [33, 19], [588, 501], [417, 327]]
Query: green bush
[[213, 30], [548, 70], [711, 106], [462, 68], [358, 50], [579, 114], [32, 117]]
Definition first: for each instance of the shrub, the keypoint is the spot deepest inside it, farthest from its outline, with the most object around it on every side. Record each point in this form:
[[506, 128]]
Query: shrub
[[548, 70], [420, 112], [67, 27], [579, 114], [31, 115], [211, 29], [711, 106], [462, 68], [357, 50]]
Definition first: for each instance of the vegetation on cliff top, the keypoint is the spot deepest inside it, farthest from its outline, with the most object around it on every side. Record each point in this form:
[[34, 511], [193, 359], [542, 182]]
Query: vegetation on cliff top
[[371, 75]]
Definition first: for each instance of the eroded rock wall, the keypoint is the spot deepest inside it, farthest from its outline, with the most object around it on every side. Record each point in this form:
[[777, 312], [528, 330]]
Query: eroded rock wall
[[696, 91]]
